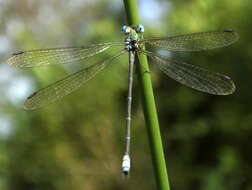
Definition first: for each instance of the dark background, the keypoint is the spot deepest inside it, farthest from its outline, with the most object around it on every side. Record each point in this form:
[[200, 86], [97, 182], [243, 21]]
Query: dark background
[[77, 143]]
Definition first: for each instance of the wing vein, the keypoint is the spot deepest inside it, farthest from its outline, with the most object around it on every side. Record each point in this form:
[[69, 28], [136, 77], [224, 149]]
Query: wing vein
[[56, 56], [194, 42], [65, 86], [194, 76]]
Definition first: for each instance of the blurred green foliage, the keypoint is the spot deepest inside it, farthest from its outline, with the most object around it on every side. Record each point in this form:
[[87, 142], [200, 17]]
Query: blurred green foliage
[[77, 143]]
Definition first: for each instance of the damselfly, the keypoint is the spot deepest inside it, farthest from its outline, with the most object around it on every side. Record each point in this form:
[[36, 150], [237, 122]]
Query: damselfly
[[189, 75]]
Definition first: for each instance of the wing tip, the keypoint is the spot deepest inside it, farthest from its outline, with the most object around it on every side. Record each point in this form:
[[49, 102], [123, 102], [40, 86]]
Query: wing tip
[[228, 30], [233, 89], [232, 86], [17, 53], [10, 60], [28, 107], [33, 94], [232, 32], [28, 104]]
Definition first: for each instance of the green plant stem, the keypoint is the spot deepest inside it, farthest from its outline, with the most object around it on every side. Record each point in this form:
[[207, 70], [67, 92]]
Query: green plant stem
[[149, 106]]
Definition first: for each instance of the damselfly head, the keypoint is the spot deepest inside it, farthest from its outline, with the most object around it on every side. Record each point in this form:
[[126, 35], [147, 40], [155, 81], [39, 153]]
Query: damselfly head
[[138, 29]]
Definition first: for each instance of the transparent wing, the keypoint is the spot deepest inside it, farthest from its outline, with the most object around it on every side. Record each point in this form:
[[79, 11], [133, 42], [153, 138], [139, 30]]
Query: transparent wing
[[65, 86], [55, 56], [195, 41], [193, 76]]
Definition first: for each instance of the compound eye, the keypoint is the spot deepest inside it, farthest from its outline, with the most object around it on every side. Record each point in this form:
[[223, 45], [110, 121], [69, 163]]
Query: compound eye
[[140, 28], [125, 29]]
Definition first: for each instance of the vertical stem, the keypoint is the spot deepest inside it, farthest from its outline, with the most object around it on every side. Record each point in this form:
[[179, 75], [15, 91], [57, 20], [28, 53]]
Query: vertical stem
[[149, 106]]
